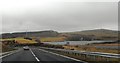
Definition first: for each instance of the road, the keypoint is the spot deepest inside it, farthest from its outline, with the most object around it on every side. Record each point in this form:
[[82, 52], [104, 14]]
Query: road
[[110, 55], [36, 54]]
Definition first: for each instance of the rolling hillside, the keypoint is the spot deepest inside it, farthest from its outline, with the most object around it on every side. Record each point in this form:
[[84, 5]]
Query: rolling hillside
[[48, 33], [21, 40], [98, 34]]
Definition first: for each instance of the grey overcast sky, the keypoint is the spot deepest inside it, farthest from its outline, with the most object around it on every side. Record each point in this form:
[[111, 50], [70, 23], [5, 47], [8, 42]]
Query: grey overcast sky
[[34, 15]]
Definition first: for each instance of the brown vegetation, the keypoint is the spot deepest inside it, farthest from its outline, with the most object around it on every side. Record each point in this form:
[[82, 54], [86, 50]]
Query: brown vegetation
[[91, 49], [52, 39]]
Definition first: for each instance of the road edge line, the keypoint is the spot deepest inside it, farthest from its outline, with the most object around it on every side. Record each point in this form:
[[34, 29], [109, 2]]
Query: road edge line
[[10, 53], [63, 56]]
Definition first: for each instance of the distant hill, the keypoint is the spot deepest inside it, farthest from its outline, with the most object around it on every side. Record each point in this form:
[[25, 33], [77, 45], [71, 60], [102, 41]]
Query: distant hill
[[98, 34], [48, 33]]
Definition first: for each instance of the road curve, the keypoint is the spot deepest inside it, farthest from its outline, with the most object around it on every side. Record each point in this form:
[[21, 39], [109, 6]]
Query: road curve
[[37, 55]]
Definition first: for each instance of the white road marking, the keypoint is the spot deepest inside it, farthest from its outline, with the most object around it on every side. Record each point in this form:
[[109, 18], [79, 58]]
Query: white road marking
[[9, 54], [62, 55], [6, 55], [34, 55]]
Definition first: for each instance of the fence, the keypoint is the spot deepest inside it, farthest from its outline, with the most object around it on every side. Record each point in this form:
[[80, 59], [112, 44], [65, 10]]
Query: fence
[[87, 56]]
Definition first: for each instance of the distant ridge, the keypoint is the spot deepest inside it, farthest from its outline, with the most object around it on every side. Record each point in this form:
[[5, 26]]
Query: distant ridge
[[46, 33], [98, 33], [102, 30]]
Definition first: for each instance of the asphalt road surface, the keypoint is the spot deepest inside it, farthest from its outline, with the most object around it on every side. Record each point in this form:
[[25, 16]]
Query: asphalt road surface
[[37, 55]]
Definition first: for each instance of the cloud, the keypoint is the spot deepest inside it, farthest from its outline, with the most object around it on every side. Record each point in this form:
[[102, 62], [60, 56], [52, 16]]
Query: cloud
[[62, 16]]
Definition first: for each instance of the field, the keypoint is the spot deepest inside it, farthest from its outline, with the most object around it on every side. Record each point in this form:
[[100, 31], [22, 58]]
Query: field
[[101, 34], [21, 40], [6, 46], [92, 48], [115, 44], [52, 39]]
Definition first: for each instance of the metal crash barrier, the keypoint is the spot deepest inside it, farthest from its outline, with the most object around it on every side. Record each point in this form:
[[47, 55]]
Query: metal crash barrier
[[89, 56]]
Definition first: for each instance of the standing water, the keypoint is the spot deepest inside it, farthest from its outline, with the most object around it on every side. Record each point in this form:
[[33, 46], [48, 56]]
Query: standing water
[[75, 42]]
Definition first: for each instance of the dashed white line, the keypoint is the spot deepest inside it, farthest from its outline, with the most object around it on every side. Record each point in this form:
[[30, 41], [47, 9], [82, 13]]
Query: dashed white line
[[34, 55], [62, 55]]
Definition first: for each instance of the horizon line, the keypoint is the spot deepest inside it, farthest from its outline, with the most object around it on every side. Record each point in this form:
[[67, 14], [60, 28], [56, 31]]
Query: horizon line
[[55, 30]]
